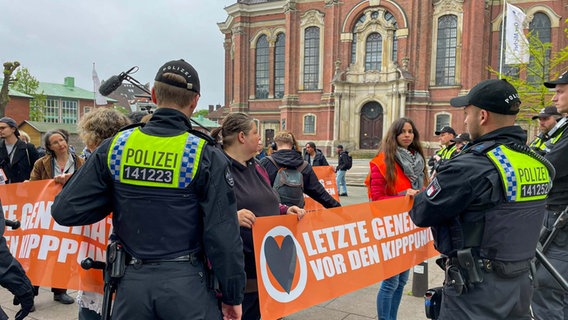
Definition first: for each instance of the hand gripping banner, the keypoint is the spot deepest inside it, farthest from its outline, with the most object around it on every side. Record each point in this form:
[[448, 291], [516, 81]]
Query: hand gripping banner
[[332, 252], [50, 253]]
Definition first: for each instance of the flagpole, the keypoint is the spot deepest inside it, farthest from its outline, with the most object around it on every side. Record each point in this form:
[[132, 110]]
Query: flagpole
[[94, 92], [502, 39]]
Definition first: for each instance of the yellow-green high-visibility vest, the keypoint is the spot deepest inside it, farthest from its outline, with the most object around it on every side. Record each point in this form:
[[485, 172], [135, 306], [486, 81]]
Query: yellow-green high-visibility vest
[[523, 177], [140, 159]]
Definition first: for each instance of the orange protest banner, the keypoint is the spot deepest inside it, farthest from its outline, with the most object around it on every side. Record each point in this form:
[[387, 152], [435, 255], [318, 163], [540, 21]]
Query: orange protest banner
[[51, 253], [326, 177], [332, 252]]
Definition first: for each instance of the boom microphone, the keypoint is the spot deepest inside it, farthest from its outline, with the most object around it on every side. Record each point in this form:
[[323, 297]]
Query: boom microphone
[[110, 85], [114, 82]]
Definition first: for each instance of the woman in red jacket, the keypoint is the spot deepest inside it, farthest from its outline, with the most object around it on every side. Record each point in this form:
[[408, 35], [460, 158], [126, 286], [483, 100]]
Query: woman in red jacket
[[398, 170]]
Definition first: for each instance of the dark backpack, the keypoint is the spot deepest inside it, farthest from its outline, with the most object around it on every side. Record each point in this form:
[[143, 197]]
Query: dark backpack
[[289, 183], [348, 162]]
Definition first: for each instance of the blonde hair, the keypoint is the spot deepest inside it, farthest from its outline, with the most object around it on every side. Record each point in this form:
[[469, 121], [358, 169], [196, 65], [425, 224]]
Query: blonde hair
[[168, 94], [287, 137], [25, 136], [99, 124]]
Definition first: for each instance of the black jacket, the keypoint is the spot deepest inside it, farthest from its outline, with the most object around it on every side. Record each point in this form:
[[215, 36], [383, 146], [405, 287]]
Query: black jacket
[[202, 216], [342, 161], [319, 159], [24, 157], [12, 275], [558, 195], [467, 190], [312, 187]]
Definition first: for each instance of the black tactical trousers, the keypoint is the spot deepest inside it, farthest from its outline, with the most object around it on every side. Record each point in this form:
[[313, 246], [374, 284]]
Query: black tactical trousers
[[495, 298], [165, 290]]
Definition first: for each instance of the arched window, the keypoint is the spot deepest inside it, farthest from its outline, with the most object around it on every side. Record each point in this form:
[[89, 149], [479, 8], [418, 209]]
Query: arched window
[[374, 18], [359, 22], [309, 123], [311, 58], [374, 52], [540, 27], [390, 18], [446, 50], [262, 65], [279, 59], [442, 120]]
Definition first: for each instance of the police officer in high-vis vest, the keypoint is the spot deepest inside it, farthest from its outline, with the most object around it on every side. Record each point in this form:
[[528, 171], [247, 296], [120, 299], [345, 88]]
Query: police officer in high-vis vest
[[447, 150], [170, 192], [550, 301], [485, 207], [547, 121]]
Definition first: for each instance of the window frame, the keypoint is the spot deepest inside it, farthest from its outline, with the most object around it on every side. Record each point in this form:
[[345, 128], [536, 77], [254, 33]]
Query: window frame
[[306, 123], [262, 68]]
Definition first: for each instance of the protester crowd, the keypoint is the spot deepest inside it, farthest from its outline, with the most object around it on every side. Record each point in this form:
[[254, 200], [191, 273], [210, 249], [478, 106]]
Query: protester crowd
[[485, 224]]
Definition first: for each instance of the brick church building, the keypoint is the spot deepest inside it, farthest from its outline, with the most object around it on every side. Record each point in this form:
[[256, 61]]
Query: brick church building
[[339, 72]]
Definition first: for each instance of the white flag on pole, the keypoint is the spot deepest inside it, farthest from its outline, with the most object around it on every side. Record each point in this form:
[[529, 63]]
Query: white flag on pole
[[99, 98], [517, 44]]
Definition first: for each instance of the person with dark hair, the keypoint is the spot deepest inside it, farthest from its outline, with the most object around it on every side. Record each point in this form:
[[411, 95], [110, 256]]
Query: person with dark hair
[[341, 170], [260, 152], [255, 196], [486, 211], [399, 169], [136, 116], [460, 141], [314, 156], [17, 157], [549, 300], [447, 147], [547, 119], [58, 164], [287, 156], [164, 167]]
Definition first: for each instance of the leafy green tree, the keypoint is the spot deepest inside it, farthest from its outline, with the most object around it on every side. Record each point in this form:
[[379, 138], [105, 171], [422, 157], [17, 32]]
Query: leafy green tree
[[9, 68], [122, 109], [202, 112], [544, 65], [28, 84]]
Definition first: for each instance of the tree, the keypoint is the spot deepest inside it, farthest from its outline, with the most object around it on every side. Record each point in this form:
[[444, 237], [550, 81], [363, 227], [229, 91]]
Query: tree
[[122, 109], [28, 84], [529, 80], [202, 112], [9, 68]]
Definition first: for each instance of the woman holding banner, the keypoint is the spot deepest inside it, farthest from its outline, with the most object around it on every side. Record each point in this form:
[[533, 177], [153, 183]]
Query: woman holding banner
[[58, 164], [255, 196], [398, 170]]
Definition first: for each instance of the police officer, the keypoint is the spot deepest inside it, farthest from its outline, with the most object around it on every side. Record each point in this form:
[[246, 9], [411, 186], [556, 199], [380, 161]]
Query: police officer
[[13, 277], [171, 195], [546, 122], [549, 300], [446, 134], [461, 140], [485, 207]]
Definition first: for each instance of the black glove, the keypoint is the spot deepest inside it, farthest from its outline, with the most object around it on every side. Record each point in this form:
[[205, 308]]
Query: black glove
[[27, 302]]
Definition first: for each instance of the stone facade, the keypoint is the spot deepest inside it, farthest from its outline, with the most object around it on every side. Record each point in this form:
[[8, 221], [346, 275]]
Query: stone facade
[[339, 72]]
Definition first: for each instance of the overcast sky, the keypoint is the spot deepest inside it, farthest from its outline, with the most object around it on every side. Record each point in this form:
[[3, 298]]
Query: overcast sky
[[59, 38]]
